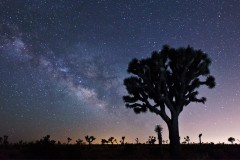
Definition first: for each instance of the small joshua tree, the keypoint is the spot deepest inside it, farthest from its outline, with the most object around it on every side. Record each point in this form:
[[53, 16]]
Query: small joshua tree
[[5, 139], [46, 140], [104, 141], [112, 140], [200, 136], [231, 139], [187, 139], [151, 140], [90, 139], [137, 140], [158, 130], [79, 141], [68, 140], [122, 141]]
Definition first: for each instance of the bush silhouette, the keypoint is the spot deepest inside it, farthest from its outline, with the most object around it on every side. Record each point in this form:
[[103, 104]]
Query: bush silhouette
[[46, 141], [169, 79], [79, 141]]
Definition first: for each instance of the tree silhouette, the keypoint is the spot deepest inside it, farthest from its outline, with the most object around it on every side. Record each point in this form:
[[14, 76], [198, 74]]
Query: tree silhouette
[[137, 140], [200, 140], [68, 140], [46, 140], [231, 139], [151, 140], [187, 139], [5, 139], [104, 141], [122, 141], [90, 139], [79, 141], [158, 129], [112, 140], [169, 79], [1, 140]]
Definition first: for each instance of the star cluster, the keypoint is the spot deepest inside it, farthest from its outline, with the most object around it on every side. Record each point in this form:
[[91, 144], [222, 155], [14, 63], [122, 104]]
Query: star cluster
[[62, 65]]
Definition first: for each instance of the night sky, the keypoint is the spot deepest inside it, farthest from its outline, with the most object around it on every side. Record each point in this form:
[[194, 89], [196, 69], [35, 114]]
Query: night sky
[[62, 65]]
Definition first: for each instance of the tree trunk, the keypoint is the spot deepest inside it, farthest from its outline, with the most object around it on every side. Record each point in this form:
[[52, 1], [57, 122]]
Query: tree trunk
[[159, 138], [174, 137], [160, 141]]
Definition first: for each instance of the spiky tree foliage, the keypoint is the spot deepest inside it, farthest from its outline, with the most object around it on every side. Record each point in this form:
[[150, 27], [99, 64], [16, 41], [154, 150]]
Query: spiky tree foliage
[[200, 140], [231, 139], [169, 79], [158, 129], [90, 139]]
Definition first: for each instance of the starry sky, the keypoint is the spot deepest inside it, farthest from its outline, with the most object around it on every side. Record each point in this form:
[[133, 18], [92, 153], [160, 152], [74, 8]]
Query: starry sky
[[62, 65]]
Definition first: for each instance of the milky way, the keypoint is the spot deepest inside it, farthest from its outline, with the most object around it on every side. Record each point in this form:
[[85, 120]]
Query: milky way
[[63, 64]]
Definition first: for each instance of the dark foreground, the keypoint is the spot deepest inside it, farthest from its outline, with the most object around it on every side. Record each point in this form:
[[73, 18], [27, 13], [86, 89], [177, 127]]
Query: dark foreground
[[191, 151]]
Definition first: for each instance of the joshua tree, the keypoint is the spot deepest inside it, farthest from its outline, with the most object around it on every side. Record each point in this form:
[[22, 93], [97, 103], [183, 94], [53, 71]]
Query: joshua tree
[[79, 141], [115, 140], [1, 140], [122, 141], [187, 139], [5, 139], [151, 140], [231, 139], [90, 139], [200, 136], [158, 129], [104, 141], [112, 140], [68, 140], [169, 79], [47, 141], [137, 140], [20, 142]]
